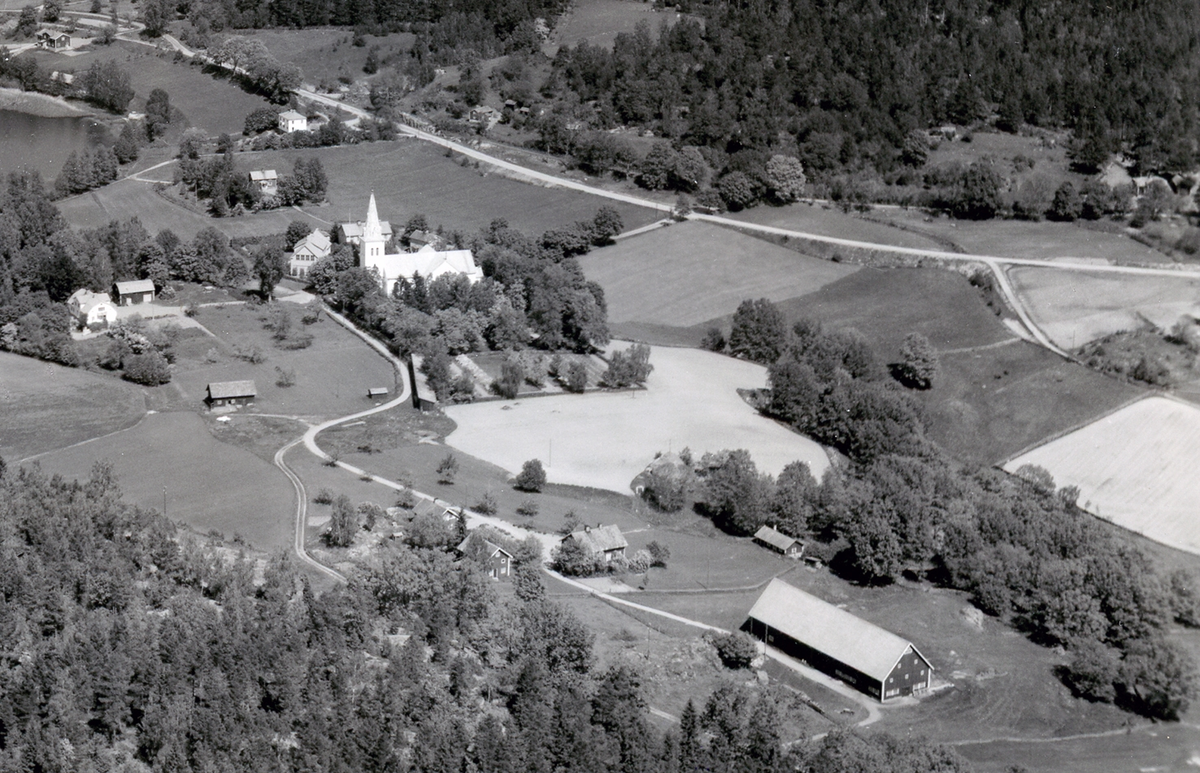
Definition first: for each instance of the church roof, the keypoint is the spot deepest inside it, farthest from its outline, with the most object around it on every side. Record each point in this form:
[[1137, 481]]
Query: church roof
[[429, 263], [373, 229]]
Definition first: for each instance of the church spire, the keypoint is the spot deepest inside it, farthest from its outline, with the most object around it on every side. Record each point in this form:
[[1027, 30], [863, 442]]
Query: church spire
[[372, 230]]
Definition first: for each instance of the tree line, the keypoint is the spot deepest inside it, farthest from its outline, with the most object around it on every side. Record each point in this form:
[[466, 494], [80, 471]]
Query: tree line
[[1017, 543], [131, 645]]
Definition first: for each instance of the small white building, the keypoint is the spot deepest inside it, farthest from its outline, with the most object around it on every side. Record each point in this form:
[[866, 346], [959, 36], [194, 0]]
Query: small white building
[[92, 310], [291, 121], [308, 251], [266, 180]]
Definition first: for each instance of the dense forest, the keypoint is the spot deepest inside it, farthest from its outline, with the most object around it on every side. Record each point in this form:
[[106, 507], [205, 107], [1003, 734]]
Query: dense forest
[[843, 84], [1018, 544], [131, 647]]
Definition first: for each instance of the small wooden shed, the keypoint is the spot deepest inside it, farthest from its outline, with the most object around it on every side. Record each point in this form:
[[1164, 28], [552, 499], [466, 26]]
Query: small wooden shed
[[776, 540], [225, 393]]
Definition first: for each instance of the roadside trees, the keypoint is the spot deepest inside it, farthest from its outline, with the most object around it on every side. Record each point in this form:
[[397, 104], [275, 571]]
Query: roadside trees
[[343, 523]]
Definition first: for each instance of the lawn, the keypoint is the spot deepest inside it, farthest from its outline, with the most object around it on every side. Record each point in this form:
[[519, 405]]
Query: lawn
[[44, 407], [407, 176], [1135, 468], [690, 272], [209, 485], [332, 375], [1075, 307], [603, 440], [600, 21], [212, 104]]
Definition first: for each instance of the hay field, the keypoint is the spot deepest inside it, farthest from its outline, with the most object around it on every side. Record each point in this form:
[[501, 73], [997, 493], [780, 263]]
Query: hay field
[[603, 440], [690, 272], [324, 54], [1075, 307], [1135, 468], [1022, 239], [407, 176], [210, 485], [45, 406]]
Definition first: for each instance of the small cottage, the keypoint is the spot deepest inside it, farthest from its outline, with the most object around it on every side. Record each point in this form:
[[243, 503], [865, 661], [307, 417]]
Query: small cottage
[[228, 393], [497, 560], [601, 540], [54, 41], [769, 537], [266, 180], [376, 393], [134, 293]]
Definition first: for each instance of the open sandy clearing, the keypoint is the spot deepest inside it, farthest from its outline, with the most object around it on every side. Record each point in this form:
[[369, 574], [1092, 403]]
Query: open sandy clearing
[[209, 484], [1135, 467], [691, 272], [1075, 307], [605, 439]]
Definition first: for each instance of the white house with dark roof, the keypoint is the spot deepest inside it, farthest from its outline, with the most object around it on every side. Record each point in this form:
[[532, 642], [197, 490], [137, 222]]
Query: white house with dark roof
[[865, 656], [391, 267], [601, 540]]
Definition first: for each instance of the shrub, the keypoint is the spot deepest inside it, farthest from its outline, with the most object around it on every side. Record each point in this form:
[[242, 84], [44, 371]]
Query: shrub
[[149, 369], [572, 559], [324, 497], [511, 376], [659, 554], [714, 340], [528, 508], [284, 378], [486, 504], [641, 561], [736, 650], [628, 368], [447, 470], [532, 476]]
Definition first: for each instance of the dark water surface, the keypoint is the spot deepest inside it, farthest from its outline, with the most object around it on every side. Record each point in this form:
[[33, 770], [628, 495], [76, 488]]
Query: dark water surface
[[43, 144]]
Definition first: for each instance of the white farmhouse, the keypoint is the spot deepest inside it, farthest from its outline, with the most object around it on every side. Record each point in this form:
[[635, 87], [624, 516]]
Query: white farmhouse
[[308, 251], [291, 121], [92, 310]]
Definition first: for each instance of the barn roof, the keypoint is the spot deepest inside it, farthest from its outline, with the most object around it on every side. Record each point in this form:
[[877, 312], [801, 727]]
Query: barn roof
[[136, 286], [600, 539], [220, 390], [262, 175], [863, 646], [775, 538]]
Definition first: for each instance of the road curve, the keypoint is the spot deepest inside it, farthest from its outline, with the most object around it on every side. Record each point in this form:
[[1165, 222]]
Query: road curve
[[302, 516]]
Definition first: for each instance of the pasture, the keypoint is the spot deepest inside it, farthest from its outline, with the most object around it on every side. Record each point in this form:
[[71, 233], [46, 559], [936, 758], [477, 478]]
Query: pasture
[[603, 440], [828, 220], [407, 176], [331, 376], [1134, 468], [1022, 239], [600, 21], [212, 104], [325, 55], [45, 406], [687, 273], [1076, 307], [209, 485]]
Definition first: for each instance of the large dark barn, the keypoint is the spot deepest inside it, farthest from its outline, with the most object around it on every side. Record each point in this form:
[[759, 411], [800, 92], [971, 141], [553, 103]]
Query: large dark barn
[[875, 661]]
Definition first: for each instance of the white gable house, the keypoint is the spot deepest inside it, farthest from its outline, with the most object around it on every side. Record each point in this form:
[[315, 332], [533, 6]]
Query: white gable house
[[291, 121], [307, 252]]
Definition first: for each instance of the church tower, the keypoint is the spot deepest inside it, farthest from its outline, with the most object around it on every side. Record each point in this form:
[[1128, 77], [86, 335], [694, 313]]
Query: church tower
[[371, 249]]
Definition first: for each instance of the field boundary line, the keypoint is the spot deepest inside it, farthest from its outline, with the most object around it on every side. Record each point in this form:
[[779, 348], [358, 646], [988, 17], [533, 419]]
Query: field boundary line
[[146, 412], [1086, 423]]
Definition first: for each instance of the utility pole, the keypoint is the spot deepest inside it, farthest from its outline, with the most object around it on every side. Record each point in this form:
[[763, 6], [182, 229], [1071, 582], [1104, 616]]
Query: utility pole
[[164, 501]]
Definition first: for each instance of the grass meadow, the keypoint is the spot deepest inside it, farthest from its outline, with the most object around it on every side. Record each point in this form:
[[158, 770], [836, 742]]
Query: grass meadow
[[828, 220], [325, 54], [209, 485], [332, 375], [44, 406], [1076, 307], [212, 104], [600, 21], [407, 176], [688, 273]]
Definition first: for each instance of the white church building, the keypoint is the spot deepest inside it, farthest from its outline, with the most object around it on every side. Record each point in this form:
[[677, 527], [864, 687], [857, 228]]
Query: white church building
[[371, 238]]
